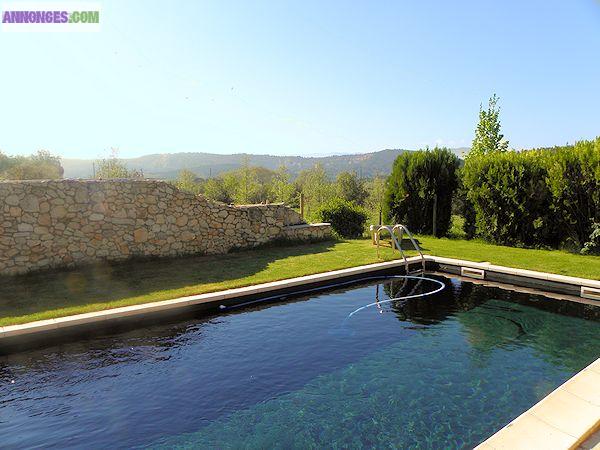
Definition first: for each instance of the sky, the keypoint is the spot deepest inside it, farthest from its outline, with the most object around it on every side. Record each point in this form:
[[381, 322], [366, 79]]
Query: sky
[[303, 77]]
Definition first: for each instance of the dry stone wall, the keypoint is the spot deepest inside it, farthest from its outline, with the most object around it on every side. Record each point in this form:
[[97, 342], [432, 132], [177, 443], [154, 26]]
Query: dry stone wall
[[57, 223]]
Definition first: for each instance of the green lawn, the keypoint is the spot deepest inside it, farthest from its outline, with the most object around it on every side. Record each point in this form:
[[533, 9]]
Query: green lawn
[[54, 294]]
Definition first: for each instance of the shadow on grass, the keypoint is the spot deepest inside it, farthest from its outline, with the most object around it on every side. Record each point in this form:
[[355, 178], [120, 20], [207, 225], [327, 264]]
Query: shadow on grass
[[108, 282]]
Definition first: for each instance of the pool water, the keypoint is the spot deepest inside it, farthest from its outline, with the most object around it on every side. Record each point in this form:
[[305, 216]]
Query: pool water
[[443, 371]]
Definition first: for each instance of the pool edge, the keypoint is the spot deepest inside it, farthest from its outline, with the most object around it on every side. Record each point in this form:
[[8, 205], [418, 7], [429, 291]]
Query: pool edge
[[564, 419]]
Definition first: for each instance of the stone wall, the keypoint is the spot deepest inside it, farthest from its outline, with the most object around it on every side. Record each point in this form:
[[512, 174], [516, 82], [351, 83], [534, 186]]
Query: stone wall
[[46, 224]]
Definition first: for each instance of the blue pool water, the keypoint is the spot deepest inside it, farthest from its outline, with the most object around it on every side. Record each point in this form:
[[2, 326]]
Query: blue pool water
[[443, 371]]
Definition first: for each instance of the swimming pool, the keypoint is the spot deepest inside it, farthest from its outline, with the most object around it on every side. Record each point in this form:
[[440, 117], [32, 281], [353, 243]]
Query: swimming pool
[[445, 370]]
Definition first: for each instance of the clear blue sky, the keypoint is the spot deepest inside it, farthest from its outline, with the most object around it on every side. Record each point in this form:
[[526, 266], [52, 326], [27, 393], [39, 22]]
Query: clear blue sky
[[302, 77]]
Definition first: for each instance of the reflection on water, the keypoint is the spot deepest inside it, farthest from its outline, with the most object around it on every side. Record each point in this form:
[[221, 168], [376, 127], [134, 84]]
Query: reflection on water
[[445, 370]]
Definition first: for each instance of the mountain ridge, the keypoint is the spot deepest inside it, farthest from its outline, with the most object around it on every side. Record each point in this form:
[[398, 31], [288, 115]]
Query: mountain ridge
[[204, 165]]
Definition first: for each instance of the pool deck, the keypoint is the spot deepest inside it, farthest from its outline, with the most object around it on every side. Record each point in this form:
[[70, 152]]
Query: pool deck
[[568, 418]]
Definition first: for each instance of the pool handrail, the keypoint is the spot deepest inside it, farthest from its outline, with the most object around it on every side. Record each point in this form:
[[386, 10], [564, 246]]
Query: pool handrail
[[397, 242]]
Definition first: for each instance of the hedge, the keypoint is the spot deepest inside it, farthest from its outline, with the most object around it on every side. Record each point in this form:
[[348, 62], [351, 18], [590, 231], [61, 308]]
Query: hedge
[[511, 198], [416, 179], [574, 179], [546, 197]]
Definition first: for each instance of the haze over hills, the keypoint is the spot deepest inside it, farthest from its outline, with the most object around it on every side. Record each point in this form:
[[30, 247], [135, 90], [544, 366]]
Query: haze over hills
[[204, 165]]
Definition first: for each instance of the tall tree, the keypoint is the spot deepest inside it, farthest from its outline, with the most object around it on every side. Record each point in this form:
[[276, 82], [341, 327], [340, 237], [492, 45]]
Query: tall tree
[[488, 138], [375, 200], [351, 188], [283, 191], [316, 188], [248, 185], [215, 189], [421, 187], [112, 167], [187, 181], [39, 166]]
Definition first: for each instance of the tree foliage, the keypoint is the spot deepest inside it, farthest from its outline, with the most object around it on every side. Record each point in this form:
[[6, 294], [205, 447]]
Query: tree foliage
[[316, 189], [249, 185], [113, 168], [574, 180], [592, 247], [282, 189], [488, 138], [188, 181], [351, 188], [546, 197], [39, 166], [511, 199], [417, 182], [374, 203], [215, 189]]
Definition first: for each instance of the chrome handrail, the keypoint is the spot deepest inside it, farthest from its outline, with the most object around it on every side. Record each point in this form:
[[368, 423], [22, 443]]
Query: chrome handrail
[[390, 230], [404, 228], [400, 229]]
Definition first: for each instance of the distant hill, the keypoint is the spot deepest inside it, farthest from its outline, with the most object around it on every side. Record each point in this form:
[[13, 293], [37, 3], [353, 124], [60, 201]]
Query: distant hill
[[168, 165]]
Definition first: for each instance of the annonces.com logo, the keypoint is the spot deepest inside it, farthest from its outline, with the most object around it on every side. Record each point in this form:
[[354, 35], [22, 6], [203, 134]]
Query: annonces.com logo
[[50, 16]]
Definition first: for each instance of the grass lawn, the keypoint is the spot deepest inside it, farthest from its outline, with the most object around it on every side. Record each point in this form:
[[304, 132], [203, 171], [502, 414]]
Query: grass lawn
[[55, 294]]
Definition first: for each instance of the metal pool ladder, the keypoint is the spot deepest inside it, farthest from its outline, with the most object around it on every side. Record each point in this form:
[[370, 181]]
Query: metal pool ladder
[[398, 229]]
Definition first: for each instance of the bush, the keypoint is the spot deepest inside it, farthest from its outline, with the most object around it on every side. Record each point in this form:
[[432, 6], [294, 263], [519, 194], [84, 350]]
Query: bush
[[574, 180], [511, 199], [592, 247], [464, 208], [347, 219], [416, 179], [545, 197]]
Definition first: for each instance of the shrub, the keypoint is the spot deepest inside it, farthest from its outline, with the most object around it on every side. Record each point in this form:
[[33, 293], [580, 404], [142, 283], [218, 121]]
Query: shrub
[[347, 219], [592, 247], [464, 207], [574, 180], [416, 179], [511, 199]]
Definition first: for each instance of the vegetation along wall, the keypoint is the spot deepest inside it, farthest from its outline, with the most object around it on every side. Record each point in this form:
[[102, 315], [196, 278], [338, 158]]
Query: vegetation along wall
[[56, 223]]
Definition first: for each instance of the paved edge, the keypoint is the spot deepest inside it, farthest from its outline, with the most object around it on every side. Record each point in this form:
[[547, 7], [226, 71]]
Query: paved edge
[[564, 419], [544, 276]]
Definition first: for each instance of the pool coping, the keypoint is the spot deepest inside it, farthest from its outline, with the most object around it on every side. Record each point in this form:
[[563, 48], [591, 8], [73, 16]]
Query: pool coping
[[564, 419], [519, 277], [537, 426]]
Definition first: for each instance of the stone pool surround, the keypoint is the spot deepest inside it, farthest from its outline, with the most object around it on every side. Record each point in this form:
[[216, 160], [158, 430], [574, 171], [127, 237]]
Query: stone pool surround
[[565, 419], [64, 223]]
